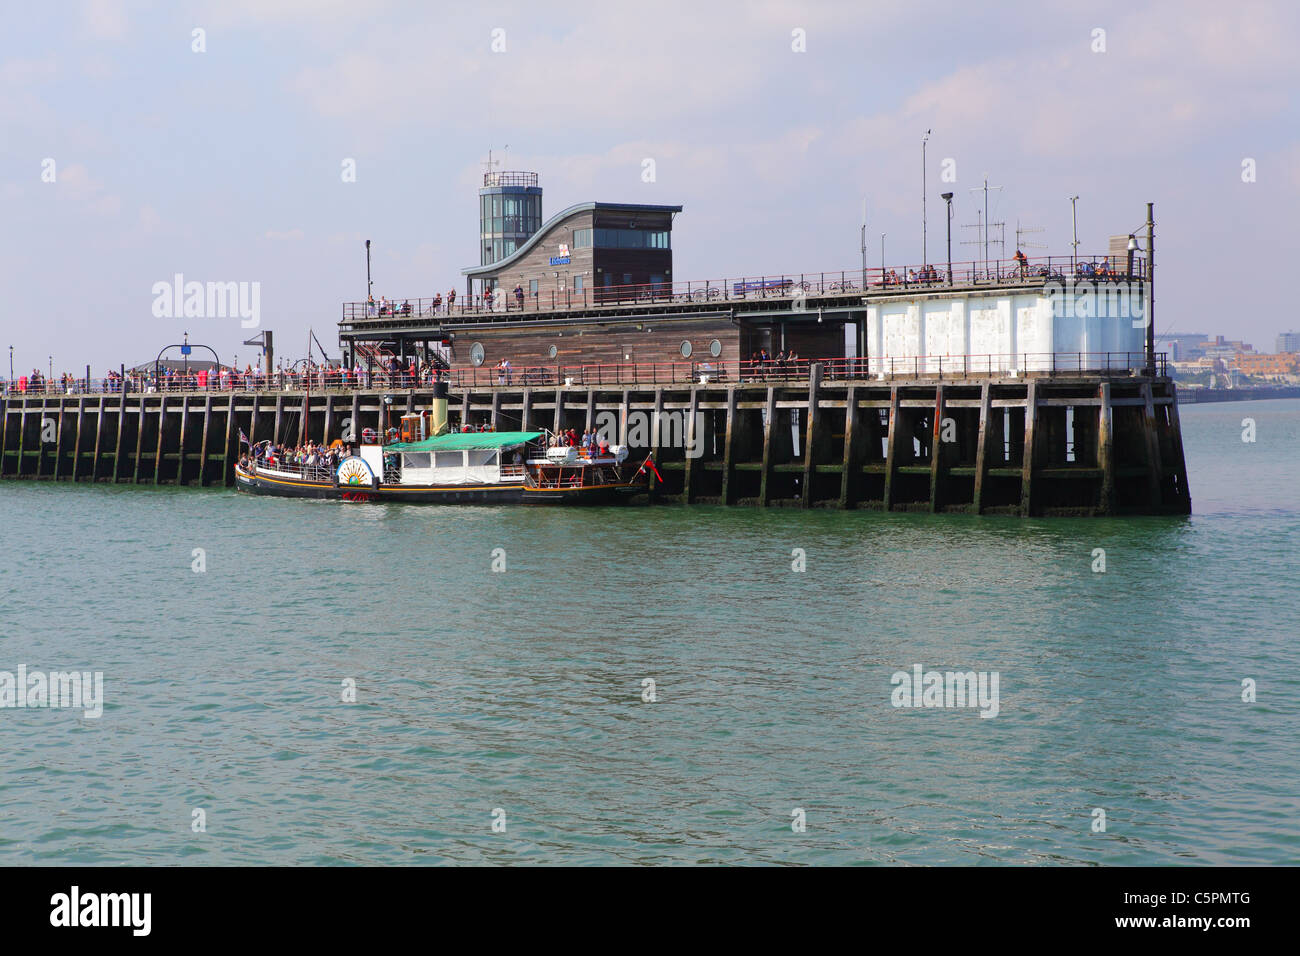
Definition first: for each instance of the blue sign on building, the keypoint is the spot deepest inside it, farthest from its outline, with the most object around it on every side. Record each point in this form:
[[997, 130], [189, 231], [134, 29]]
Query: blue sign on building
[[559, 260]]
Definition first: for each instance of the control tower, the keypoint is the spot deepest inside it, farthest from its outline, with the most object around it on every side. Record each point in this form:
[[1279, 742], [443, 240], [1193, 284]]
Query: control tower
[[510, 211]]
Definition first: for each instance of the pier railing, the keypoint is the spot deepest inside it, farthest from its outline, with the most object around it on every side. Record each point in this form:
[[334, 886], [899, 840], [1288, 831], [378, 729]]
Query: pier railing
[[1008, 365], [843, 282], [711, 371]]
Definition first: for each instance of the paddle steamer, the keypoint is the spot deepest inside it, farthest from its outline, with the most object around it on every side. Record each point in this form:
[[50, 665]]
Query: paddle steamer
[[523, 467]]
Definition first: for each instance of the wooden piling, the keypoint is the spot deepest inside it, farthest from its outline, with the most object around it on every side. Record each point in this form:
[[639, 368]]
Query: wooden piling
[[1180, 459], [728, 445], [99, 428], [938, 468], [58, 444], [982, 444], [1027, 502], [1153, 447], [40, 445], [180, 445], [768, 426], [1106, 452], [689, 436], [227, 469], [162, 432], [76, 441], [810, 435], [117, 441], [203, 448], [891, 446], [139, 442], [851, 476]]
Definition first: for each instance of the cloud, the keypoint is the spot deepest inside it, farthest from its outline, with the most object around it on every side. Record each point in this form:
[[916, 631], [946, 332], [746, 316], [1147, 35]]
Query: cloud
[[289, 236], [105, 19]]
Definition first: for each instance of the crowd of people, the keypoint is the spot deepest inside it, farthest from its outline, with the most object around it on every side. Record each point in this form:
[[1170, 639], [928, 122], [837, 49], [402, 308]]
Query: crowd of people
[[304, 457], [590, 443], [765, 365], [387, 307]]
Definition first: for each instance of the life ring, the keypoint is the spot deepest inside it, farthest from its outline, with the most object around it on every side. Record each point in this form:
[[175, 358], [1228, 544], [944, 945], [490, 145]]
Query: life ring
[[369, 436]]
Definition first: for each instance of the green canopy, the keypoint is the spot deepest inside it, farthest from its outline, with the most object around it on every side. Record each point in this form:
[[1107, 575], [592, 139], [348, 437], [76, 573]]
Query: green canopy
[[465, 441]]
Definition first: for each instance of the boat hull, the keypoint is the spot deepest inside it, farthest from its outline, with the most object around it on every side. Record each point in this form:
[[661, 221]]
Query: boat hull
[[505, 494]]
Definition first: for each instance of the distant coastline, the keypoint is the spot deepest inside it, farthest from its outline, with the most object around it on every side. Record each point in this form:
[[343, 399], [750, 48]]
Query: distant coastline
[[1188, 396]]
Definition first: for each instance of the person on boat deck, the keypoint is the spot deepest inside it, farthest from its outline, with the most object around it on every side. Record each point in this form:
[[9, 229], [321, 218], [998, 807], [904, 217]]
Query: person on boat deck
[[604, 446]]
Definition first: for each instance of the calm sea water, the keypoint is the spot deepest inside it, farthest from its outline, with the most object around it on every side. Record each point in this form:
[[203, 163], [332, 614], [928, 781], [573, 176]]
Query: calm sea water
[[522, 691]]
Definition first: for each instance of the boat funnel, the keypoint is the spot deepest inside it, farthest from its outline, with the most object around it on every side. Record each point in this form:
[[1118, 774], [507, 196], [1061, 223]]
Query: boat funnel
[[438, 411]]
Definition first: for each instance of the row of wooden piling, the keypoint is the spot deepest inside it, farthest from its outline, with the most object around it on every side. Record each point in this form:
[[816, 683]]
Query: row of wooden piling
[[1079, 445]]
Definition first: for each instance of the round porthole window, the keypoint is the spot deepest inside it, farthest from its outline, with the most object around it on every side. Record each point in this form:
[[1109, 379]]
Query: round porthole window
[[552, 351], [476, 353], [715, 348], [686, 348]]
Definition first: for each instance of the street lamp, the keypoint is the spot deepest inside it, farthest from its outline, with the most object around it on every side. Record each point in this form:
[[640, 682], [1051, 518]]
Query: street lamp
[[947, 197], [11, 364], [925, 253], [882, 258]]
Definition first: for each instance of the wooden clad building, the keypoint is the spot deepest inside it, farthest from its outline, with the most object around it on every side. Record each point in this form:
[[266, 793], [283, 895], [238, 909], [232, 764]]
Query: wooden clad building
[[588, 248]]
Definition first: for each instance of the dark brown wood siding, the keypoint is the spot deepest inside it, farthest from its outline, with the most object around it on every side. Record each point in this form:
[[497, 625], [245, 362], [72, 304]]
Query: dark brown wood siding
[[615, 344]]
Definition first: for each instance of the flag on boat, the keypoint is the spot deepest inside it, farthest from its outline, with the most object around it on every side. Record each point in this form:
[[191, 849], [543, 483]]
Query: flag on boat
[[244, 438], [650, 462]]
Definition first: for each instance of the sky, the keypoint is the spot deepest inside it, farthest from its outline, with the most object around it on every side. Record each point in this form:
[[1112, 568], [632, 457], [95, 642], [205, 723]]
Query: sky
[[262, 141]]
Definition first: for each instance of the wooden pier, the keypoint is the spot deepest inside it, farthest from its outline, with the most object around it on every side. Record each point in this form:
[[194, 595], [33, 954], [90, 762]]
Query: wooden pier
[[1075, 444]]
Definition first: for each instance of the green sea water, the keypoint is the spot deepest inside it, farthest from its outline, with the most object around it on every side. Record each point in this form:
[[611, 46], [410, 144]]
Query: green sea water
[[518, 696]]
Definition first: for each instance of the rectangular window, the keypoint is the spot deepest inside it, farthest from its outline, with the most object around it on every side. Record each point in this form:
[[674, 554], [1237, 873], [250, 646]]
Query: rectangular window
[[532, 286], [625, 238], [509, 247], [417, 460], [578, 283], [581, 238], [449, 459], [496, 205], [496, 249]]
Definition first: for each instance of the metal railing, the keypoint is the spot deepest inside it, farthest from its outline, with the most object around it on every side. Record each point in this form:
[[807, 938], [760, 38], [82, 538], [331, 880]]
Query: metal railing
[[776, 369], [845, 282], [655, 373]]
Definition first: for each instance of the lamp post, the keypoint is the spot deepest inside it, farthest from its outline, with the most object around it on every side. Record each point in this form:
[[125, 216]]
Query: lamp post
[[1151, 290], [882, 258], [1074, 228], [11, 365], [863, 244], [370, 290], [947, 197], [925, 255]]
